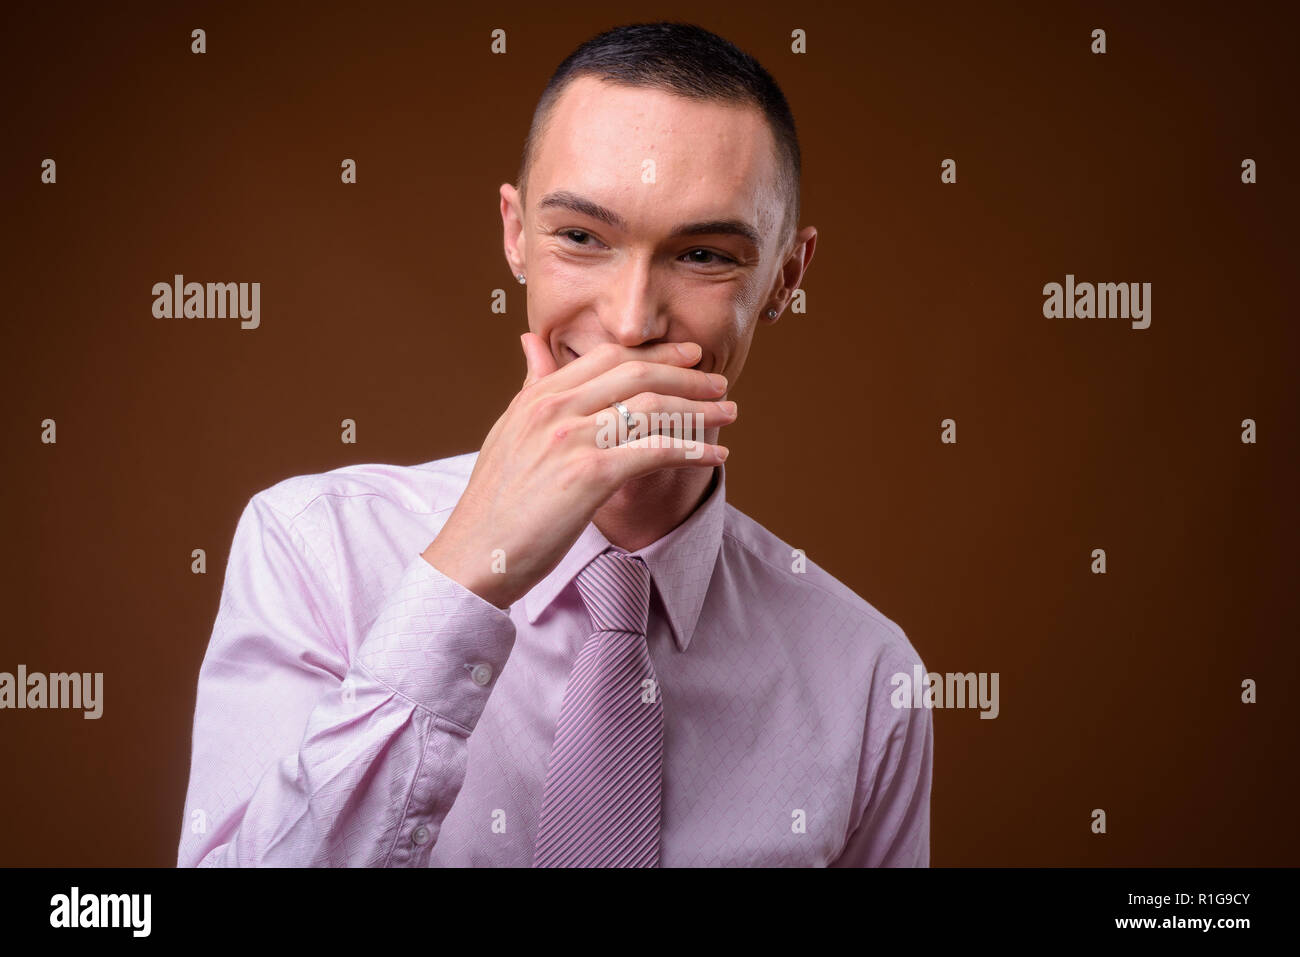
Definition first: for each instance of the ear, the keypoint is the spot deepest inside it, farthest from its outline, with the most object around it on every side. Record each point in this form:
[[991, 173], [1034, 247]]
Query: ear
[[512, 226], [792, 273]]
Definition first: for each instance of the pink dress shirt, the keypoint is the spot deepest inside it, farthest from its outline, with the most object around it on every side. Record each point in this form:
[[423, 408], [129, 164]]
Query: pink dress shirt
[[356, 707]]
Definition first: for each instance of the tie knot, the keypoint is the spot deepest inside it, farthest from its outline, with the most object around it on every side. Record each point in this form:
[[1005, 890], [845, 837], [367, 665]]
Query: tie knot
[[615, 587]]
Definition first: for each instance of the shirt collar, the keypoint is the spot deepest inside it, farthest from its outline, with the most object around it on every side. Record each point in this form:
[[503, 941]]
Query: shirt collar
[[681, 565]]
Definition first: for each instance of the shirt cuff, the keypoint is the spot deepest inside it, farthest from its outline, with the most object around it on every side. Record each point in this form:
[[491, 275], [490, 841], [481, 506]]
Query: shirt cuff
[[439, 644]]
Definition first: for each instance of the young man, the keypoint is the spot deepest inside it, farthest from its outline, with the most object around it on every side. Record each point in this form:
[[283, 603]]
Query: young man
[[559, 651]]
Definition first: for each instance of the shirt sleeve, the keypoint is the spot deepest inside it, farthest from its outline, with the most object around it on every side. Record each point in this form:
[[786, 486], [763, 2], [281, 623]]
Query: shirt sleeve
[[304, 755], [894, 786]]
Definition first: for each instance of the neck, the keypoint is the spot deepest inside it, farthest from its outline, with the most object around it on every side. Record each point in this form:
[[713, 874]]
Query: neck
[[648, 507]]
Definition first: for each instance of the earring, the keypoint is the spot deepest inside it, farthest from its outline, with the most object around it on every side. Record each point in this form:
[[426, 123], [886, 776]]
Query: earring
[[520, 277], [772, 314]]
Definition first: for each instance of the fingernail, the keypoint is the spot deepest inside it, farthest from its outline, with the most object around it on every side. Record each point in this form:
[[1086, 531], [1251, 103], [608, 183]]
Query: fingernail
[[689, 350], [728, 408], [718, 382], [723, 452]]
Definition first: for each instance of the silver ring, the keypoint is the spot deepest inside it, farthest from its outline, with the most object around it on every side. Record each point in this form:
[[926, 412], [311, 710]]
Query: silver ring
[[628, 421]]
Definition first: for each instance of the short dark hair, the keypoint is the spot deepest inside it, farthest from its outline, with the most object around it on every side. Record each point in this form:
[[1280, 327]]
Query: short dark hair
[[687, 60]]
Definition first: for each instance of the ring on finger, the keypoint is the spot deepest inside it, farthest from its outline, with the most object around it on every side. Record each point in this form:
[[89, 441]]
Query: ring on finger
[[628, 421]]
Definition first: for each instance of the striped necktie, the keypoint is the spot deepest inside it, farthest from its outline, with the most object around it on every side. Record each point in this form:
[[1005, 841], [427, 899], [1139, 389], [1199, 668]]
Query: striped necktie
[[604, 783]]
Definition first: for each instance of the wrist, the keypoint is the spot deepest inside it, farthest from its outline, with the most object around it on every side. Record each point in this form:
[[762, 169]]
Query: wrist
[[483, 582]]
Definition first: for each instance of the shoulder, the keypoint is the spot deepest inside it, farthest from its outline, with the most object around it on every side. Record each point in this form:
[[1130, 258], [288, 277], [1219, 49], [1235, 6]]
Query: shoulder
[[425, 488], [787, 576], [342, 538]]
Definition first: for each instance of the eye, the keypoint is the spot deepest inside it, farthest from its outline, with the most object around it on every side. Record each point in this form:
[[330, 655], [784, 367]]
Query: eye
[[570, 233], [579, 237], [718, 258]]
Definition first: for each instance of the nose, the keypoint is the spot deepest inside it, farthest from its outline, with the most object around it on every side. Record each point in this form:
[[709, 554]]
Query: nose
[[631, 311]]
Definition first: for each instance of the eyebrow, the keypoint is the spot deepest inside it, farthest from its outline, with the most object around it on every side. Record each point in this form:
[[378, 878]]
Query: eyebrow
[[563, 199]]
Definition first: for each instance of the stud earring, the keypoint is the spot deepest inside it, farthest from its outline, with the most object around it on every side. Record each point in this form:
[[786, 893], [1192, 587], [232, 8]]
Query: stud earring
[[520, 277], [771, 314]]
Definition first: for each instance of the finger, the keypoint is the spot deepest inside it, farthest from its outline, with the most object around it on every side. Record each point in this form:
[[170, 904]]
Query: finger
[[540, 361], [654, 414], [608, 355], [638, 376], [653, 452]]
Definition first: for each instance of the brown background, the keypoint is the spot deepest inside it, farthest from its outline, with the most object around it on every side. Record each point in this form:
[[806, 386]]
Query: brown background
[[1118, 691]]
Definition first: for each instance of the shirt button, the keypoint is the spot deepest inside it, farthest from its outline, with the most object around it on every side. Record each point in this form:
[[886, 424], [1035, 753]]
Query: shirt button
[[420, 835], [481, 674]]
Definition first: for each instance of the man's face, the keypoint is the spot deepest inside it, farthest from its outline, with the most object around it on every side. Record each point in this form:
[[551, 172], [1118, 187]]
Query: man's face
[[658, 164]]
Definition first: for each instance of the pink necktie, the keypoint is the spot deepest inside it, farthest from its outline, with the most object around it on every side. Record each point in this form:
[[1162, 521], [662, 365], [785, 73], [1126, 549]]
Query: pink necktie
[[605, 780]]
